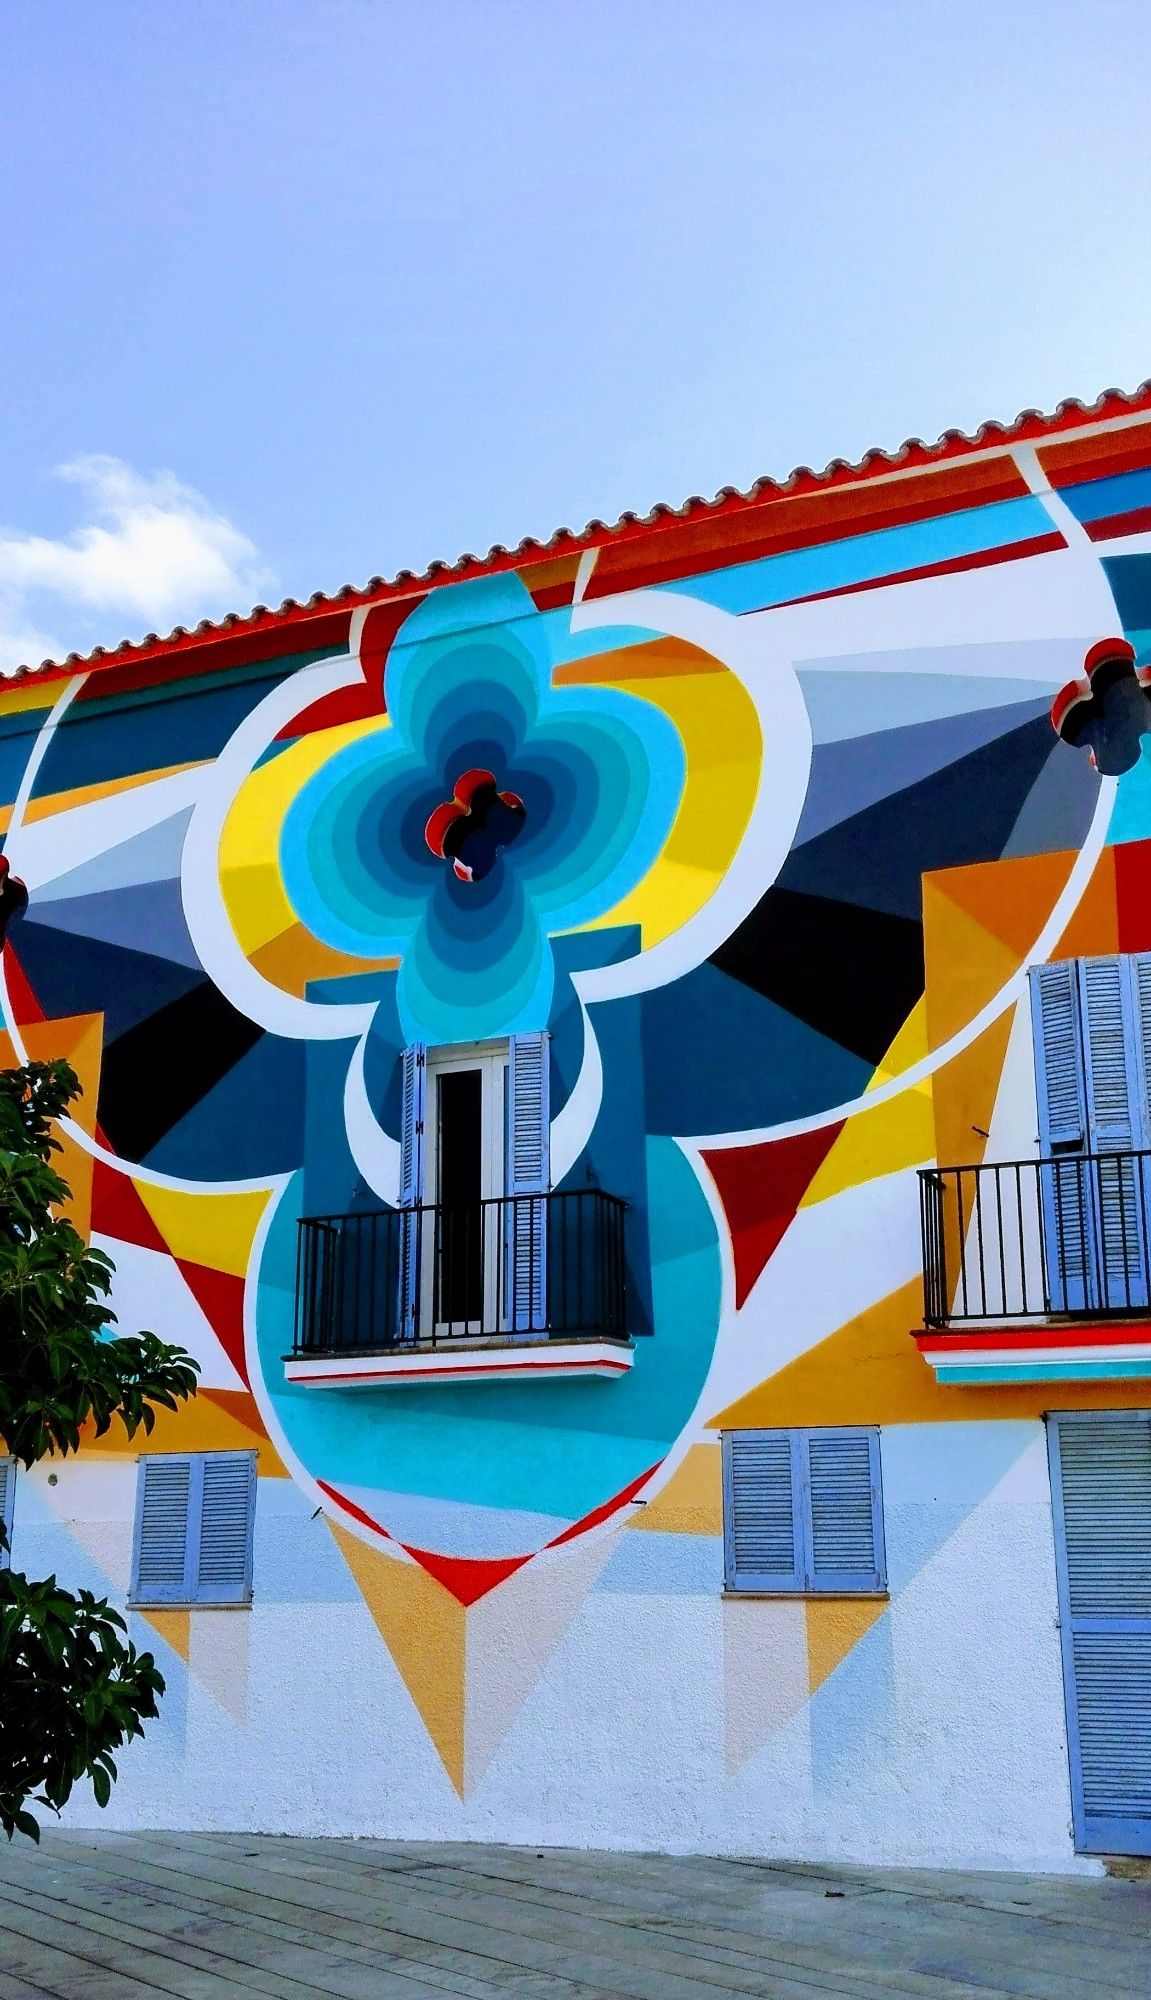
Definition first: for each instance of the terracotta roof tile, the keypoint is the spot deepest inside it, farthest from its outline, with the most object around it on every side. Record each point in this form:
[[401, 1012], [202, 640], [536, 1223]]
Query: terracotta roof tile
[[913, 455]]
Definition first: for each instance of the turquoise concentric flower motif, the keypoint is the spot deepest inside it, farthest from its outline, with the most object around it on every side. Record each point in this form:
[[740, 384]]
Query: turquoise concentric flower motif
[[492, 812]]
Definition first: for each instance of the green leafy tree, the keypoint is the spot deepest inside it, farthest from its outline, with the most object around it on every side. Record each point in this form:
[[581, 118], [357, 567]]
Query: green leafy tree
[[72, 1687]]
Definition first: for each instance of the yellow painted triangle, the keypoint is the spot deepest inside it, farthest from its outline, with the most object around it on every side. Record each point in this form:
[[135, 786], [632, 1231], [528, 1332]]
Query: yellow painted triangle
[[692, 1501], [966, 964], [834, 1626], [868, 1372], [908, 1048], [900, 1133], [424, 1630], [80, 1038], [964, 1096], [173, 1627], [1010, 898], [294, 957], [871, 1372], [212, 1420], [212, 1229]]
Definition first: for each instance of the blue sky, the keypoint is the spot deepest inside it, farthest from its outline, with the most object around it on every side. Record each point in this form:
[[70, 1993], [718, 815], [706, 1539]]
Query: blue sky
[[295, 293]]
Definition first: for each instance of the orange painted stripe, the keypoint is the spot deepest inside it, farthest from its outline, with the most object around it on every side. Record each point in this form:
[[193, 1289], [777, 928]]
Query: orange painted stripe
[[1099, 457]]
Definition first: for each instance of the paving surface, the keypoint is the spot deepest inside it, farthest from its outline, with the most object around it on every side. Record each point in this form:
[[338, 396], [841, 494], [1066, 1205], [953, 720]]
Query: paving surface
[[226, 1916]]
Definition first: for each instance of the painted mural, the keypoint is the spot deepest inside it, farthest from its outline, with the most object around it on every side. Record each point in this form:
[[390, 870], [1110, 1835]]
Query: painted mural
[[758, 811]]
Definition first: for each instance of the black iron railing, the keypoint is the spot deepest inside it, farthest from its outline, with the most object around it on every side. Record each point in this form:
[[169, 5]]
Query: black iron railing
[[1031, 1239], [542, 1266]]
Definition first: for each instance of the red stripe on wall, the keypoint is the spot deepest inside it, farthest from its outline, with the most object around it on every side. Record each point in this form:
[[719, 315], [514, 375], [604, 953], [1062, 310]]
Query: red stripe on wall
[[1037, 545], [1090, 1334], [1137, 522]]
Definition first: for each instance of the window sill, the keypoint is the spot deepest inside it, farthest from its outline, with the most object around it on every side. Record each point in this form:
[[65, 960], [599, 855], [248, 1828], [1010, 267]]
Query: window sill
[[187, 1604], [806, 1596]]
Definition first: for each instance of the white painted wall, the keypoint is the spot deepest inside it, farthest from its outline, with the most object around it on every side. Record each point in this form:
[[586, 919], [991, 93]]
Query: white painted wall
[[666, 1718]]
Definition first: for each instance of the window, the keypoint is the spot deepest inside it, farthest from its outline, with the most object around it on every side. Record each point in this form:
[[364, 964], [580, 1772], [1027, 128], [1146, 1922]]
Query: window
[[474, 1151], [1092, 1028], [194, 1521], [803, 1511], [7, 1496]]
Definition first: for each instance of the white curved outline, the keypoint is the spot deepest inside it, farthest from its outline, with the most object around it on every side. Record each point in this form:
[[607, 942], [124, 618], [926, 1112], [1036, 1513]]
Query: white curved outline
[[572, 1127], [750, 652], [375, 1155], [205, 911], [88, 1143], [1059, 916]]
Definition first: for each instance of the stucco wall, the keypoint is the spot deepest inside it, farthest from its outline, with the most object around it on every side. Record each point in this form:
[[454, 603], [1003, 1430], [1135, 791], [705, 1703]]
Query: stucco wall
[[666, 1716]]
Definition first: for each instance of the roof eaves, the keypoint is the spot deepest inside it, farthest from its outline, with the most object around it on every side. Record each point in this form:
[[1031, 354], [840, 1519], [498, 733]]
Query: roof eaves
[[914, 454]]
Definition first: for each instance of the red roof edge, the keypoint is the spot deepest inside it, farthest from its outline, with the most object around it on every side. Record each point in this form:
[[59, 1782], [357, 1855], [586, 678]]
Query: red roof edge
[[286, 628]]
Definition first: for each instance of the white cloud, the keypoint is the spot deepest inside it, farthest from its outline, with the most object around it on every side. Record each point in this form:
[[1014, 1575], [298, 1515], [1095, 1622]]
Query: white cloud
[[152, 552]]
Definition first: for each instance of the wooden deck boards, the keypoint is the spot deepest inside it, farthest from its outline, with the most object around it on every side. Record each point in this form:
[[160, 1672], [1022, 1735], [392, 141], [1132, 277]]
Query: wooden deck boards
[[193, 1916]]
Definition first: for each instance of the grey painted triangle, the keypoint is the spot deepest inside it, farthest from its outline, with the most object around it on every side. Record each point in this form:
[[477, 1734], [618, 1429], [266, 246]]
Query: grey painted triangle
[[864, 702], [849, 776], [144, 916], [1060, 806], [151, 856]]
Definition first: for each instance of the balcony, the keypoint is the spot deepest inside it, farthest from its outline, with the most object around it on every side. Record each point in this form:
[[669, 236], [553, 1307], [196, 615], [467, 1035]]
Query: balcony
[[1038, 1270], [531, 1287]]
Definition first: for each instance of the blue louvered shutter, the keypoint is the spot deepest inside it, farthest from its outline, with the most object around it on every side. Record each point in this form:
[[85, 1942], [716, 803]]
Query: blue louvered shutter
[[1061, 1092], [7, 1498], [1140, 977], [195, 1518], [843, 1511], [413, 1109], [1101, 1490], [1059, 1074], [1114, 1070], [227, 1511], [161, 1570], [763, 1539], [528, 1173]]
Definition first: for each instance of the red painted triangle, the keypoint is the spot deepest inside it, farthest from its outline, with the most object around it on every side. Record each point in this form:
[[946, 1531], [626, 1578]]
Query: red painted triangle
[[23, 1001], [117, 1209], [760, 1188], [603, 1513], [468, 1578], [1133, 894], [362, 698], [350, 1507], [220, 1297]]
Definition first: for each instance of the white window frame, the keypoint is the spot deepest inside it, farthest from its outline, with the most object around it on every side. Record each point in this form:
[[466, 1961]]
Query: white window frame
[[189, 1591], [804, 1579]]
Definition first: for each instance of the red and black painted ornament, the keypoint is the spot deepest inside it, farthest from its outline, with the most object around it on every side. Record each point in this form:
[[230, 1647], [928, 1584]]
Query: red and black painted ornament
[[471, 827]]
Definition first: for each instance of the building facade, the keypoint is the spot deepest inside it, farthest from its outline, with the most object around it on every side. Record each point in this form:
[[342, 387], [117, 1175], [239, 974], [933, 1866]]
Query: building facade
[[628, 1063]]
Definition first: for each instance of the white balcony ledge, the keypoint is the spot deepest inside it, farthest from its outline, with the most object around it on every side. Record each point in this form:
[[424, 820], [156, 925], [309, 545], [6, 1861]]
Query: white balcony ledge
[[461, 1360], [1056, 1350]]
